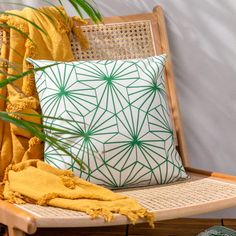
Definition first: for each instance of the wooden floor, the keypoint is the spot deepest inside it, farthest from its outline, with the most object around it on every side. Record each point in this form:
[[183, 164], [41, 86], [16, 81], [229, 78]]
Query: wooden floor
[[181, 227], [230, 223]]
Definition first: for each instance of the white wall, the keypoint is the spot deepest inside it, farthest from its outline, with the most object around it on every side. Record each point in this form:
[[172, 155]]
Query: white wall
[[202, 37]]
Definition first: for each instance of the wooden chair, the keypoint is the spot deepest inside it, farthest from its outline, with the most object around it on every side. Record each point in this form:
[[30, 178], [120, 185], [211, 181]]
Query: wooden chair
[[133, 37]]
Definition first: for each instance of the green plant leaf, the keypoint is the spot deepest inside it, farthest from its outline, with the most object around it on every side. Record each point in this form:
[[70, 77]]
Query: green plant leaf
[[60, 2], [90, 10], [29, 6], [41, 116], [57, 8], [34, 128], [13, 78], [4, 98], [37, 131], [24, 18], [76, 7], [19, 54], [16, 29]]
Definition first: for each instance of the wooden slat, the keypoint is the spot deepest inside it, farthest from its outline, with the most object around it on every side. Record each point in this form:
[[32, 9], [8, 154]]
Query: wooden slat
[[171, 86], [230, 223], [98, 231], [221, 176], [179, 227], [16, 218]]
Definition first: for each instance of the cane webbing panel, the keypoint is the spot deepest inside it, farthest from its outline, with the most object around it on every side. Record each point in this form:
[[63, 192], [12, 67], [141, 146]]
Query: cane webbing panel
[[192, 193], [116, 41], [183, 194]]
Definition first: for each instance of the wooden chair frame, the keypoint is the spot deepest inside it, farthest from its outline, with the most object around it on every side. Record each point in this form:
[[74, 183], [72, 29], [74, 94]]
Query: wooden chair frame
[[210, 191]]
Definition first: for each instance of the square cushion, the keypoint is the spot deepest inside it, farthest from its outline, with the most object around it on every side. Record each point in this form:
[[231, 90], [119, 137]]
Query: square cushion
[[117, 113]]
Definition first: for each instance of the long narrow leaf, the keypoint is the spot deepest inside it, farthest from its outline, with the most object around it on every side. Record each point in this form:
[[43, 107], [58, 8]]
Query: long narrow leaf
[[96, 12], [29, 6], [51, 128], [4, 98], [76, 7], [40, 134], [7, 44], [21, 75], [60, 2], [24, 18], [16, 29], [41, 116], [56, 7], [89, 9]]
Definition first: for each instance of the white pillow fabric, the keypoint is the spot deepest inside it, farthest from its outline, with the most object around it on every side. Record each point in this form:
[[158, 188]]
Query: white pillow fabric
[[118, 111]]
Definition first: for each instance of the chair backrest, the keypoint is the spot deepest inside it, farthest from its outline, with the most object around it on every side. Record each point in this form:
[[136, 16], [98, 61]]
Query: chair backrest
[[135, 36]]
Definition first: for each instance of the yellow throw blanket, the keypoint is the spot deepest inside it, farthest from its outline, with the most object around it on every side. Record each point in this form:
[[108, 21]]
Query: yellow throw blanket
[[34, 181], [16, 144]]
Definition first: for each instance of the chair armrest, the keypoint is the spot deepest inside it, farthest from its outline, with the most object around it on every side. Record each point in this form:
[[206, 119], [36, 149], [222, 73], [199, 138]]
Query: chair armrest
[[17, 218]]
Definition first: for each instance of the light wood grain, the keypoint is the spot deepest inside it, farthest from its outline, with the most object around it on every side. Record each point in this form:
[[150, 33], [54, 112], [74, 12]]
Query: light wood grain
[[97, 231], [16, 218], [15, 232], [179, 227], [171, 86], [230, 223], [220, 176]]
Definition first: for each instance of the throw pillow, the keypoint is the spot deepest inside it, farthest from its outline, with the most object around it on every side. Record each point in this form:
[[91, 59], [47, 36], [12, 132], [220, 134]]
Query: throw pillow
[[118, 116]]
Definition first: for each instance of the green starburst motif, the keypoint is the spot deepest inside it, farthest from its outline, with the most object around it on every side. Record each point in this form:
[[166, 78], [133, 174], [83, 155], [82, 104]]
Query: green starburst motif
[[62, 92], [135, 141], [150, 87], [119, 116], [110, 80], [86, 135]]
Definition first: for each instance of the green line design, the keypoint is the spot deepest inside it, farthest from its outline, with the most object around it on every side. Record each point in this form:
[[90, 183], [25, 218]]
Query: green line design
[[118, 114]]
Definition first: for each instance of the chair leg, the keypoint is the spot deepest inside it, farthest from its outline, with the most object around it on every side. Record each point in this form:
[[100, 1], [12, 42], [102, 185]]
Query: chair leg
[[2, 230], [127, 230], [15, 232]]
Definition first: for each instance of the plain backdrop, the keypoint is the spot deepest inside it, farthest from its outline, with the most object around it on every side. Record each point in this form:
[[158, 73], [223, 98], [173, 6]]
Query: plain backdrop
[[202, 36]]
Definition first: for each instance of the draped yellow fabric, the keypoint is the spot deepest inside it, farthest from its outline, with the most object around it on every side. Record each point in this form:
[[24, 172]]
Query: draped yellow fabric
[[50, 186], [50, 41]]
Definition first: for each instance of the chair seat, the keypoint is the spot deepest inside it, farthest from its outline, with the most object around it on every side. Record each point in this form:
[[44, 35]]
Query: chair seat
[[199, 194]]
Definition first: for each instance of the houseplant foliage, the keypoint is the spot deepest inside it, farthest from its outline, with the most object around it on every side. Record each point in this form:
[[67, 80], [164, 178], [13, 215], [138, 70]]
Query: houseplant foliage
[[81, 7]]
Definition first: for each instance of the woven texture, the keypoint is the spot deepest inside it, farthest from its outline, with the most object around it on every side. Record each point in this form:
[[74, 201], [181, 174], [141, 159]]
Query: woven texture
[[194, 192], [116, 41], [190, 193]]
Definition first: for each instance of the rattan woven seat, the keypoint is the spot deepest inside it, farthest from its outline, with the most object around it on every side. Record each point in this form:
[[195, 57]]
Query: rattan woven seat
[[176, 199], [127, 37]]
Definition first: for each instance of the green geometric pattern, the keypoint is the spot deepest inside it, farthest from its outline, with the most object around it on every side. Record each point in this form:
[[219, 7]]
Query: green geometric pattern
[[118, 111]]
